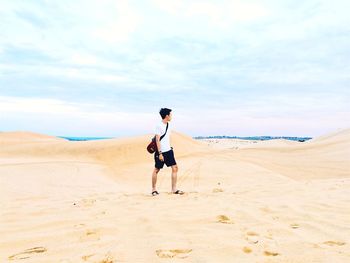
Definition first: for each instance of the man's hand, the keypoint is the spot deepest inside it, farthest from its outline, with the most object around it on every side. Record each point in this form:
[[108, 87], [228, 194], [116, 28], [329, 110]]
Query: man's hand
[[161, 157]]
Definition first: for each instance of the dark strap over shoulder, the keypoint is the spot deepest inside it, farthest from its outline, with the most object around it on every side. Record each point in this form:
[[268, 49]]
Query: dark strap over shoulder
[[161, 137]]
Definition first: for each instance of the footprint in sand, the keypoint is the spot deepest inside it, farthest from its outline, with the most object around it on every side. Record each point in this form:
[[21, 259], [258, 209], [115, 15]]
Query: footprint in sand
[[252, 237], [270, 253], [294, 225], [86, 257], [85, 202], [252, 233], [90, 235], [247, 250], [88, 202], [26, 253], [217, 190], [79, 225], [224, 219], [108, 258], [179, 253], [266, 209], [334, 243]]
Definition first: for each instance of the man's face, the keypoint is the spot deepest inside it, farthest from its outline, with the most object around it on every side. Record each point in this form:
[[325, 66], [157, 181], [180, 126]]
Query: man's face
[[169, 117]]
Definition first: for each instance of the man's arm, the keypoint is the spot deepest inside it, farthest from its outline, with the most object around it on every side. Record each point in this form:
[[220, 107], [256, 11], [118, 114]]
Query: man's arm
[[158, 147]]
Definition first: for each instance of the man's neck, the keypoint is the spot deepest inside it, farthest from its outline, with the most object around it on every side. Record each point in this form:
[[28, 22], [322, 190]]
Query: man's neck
[[164, 121]]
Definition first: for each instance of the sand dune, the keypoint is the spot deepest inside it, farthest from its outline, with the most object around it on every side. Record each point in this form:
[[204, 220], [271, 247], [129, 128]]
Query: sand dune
[[21, 137], [42, 145], [112, 152], [327, 157], [90, 201], [26, 136], [341, 136]]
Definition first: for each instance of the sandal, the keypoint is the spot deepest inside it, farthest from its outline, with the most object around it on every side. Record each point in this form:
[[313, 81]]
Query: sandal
[[155, 193], [178, 192]]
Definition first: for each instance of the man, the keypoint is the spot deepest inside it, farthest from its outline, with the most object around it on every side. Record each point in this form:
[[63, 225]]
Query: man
[[165, 153]]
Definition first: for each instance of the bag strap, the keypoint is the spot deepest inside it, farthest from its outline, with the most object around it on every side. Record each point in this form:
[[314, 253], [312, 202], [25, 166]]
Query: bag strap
[[161, 137]]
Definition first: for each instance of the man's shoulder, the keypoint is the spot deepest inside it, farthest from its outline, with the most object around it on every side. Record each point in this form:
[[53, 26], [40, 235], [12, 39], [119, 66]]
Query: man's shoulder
[[161, 124], [159, 127]]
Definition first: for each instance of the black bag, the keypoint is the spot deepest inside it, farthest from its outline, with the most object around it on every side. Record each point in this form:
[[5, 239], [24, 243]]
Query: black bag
[[152, 146]]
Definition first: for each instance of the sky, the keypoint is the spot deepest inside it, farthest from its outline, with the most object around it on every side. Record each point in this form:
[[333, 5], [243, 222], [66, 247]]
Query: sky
[[239, 68]]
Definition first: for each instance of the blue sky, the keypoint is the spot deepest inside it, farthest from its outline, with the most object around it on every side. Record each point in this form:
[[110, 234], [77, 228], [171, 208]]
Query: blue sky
[[105, 68]]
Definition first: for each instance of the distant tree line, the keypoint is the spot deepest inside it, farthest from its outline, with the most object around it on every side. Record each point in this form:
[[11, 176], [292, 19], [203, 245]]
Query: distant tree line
[[256, 138]]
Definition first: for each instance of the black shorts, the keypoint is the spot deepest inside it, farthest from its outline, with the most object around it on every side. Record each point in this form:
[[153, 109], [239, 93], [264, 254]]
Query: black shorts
[[169, 159]]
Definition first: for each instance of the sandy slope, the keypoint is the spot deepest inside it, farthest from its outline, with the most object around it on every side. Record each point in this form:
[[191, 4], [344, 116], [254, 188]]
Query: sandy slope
[[90, 201]]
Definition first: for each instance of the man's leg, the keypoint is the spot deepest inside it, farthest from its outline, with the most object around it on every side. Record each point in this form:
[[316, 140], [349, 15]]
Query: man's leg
[[174, 170], [154, 178]]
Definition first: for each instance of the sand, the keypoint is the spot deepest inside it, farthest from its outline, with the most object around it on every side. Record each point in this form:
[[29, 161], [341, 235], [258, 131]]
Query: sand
[[274, 201]]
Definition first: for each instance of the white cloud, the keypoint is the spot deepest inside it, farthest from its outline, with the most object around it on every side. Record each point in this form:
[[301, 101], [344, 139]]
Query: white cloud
[[39, 105], [219, 13], [83, 59], [229, 12], [71, 119], [119, 22], [305, 76]]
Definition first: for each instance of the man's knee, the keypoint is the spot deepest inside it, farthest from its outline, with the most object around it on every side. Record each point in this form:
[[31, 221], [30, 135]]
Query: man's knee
[[156, 170], [175, 168]]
